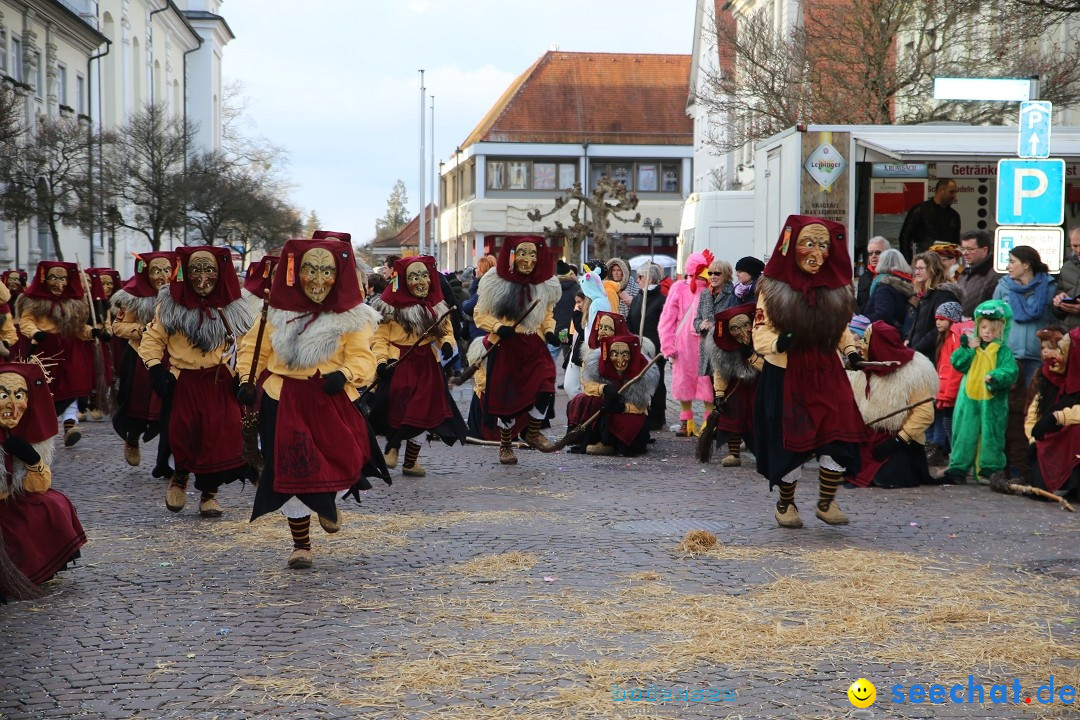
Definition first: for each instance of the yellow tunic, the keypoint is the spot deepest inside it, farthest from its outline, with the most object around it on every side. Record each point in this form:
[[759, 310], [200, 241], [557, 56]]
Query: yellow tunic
[[182, 354], [126, 325], [30, 325], [1064, 417], [353, 357], [390, 334]]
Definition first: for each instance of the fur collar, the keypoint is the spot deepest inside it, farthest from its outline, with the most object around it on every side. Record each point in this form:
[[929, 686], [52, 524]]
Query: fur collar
[[300, 345], [731, 364], [501, 298], [818, 326], [18, 474], [203, 332], [899, 284], [414, 319], [143, 307], [891, 392], [639, 394], [70, 315]]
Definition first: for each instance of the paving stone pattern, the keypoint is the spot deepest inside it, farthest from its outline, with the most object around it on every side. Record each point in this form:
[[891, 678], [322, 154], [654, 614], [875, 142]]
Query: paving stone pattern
[[171, 616]]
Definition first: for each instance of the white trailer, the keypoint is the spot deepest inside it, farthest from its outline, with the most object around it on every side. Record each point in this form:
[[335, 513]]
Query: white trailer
[[722, 221]]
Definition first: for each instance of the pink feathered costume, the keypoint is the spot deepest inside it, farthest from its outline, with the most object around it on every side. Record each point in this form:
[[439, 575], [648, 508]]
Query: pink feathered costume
[[683, 344]]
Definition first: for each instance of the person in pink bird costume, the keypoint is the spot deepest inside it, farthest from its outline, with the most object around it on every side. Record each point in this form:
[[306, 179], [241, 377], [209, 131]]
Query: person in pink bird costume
[[680, 342]]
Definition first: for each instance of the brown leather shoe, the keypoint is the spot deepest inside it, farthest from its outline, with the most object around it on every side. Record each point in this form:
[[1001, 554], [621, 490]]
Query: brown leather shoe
[[731, 461], [599, 449], [789, 518], [72, 435], [507, 456], [301, 559], [414, 470], [391, 457], [832, 515]]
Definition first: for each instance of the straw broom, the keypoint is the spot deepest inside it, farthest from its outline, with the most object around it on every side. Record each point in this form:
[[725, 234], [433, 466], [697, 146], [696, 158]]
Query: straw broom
[[101, 388], [708, 432], [467, 374], [13, 581], [574, 435], [1001, 485]]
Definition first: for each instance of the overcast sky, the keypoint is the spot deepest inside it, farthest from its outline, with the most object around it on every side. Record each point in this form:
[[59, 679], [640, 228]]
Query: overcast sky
[[336, 81]]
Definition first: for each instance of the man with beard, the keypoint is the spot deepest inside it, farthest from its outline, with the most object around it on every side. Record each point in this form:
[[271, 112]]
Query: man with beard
[[200, 317], [520, 378], [804, 406], [315, 357], [411, 398], [138, 411], [53, 314]]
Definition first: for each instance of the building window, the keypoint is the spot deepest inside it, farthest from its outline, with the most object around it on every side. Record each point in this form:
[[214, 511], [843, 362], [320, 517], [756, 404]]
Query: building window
[[80, 93], [542, 175], [61, 83], [39, 76], [3, 51], [640, 177], [16, 59]]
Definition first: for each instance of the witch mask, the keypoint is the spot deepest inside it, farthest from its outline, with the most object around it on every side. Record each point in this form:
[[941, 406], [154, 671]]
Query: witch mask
[[605, 327], [418, 279], [619, 353], [203, 271], [318, 271], [158, 272], [14, 399], [812, 248], [525, 258], [56, 280], [740, 329]]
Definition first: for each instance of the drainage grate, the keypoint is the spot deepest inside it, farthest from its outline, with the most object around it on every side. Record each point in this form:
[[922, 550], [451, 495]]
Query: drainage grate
[[666, 527], [1062, 568]]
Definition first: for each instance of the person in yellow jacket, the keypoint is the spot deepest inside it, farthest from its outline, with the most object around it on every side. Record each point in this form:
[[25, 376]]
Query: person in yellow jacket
[[314, 359], [200, 318], [412, 397]]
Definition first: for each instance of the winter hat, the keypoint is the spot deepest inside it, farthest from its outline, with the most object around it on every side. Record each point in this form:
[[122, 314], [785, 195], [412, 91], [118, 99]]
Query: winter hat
[[750, 265], [951, 311], [859, 323]]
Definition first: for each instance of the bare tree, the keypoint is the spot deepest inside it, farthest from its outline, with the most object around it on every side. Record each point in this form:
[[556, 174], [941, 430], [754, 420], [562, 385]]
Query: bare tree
[[44, 174], [143, 172], [11, 125], [218, 194], [607, 200], [874, 62]]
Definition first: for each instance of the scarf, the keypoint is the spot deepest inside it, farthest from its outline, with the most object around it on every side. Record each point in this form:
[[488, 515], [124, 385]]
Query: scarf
[[1028, 301], [743, 289]]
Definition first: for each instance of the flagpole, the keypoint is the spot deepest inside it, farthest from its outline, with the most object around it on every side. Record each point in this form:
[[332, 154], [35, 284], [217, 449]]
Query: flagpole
[[431, 178], [423, 173]]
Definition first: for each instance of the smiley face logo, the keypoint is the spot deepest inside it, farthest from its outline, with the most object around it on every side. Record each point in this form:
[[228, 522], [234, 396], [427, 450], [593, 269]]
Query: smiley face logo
[[862, 693]]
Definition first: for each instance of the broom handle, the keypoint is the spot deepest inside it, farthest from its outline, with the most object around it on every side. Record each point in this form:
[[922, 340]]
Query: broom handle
[[404, 355], [904, 409], [86, 289], [259, 337], [592, 418], [498, 339], [1029, 490]]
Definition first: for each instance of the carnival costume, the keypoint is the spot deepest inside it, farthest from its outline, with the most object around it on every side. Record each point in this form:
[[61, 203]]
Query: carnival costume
[[199, 319], [12, 286], [138, 407], [735, 375], [804, 406], [53, 314], [895, 454], [604, 325], [39, 526], [519, 383], [982, 404], [622, 427], [1053, 419], [104, 283], [680, 342], [316, 355], [411, 397]]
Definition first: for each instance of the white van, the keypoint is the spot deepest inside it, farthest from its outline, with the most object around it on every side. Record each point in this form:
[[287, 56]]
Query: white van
[[722, 221]]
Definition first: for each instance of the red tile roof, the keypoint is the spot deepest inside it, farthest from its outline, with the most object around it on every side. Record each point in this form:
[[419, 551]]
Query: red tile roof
[[409, 236], [604, 98]]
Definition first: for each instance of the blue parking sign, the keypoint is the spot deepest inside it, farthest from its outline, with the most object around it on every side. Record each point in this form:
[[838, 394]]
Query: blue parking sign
[[1034, 141], [1031, 192]]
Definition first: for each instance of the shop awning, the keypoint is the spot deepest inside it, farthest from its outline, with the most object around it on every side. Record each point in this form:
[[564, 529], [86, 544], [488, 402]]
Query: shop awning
[[923, 143]]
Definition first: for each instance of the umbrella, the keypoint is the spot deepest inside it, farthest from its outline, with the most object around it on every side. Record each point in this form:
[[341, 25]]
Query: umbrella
[[664, 261]]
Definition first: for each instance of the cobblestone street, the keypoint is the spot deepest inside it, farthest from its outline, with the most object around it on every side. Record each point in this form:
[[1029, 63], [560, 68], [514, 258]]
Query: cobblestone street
[[542, 591]]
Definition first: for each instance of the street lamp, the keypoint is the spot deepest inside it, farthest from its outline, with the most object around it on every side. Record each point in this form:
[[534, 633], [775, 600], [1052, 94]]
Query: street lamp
[[653, 226]]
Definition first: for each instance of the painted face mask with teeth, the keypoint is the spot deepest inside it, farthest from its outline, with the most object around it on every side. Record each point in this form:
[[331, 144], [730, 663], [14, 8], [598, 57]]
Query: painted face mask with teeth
[[812, 248], [203, 271], [318, 271], [14, 399]]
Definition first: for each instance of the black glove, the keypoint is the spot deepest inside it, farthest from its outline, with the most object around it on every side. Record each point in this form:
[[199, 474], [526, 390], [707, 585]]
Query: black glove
[[887, 448], [100, 334], [246, 394], [447, 351], [963, 340], [720, 403], [504, 331], [382, 371], [747, 351], [853, 359], [40, 336], [162, 380], [784, 342], [21, 449], [333, 382], [1046, 424], [613, 402], [552, 339]]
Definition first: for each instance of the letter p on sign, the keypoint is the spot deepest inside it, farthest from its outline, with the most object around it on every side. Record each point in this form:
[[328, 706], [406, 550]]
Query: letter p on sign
[[1031, 192], [1024, 188]]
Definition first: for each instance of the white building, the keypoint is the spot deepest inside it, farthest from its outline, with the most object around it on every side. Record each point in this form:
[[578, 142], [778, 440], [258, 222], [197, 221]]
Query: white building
[[104, 60], [571, 117]]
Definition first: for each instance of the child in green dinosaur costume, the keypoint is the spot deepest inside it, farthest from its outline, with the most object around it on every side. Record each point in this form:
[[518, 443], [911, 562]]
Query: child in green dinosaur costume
[[982, 405]]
